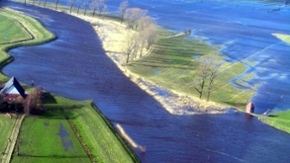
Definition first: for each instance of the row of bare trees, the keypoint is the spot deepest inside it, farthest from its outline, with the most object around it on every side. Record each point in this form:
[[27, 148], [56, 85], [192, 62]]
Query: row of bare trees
[[209, 68], [146, 31]]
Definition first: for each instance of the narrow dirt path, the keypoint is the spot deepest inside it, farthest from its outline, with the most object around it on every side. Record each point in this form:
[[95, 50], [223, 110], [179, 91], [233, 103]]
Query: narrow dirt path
[[12, 139]]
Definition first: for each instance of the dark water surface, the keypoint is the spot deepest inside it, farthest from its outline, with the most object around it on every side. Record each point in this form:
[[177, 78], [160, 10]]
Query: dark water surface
[[75, 66]]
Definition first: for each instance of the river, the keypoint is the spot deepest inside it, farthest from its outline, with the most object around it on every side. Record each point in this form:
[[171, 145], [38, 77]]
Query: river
[[75, 66]]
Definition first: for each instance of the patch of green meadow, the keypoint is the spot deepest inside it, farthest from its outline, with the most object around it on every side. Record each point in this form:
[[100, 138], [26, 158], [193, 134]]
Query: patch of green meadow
[[48, 138], [6, 125]]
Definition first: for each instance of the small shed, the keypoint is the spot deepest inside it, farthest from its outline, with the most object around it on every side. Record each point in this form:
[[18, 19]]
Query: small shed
[[12, 90]]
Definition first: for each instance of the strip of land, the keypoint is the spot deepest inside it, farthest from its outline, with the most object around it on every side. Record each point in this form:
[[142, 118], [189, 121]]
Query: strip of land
[[113, 35]]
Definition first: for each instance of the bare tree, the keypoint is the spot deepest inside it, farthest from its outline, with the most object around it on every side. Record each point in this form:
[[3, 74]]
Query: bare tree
[[151, 35], [202, 76], [141, 42], [79, 5], [71, 3], [133, 15], [85, 6], [213, 71], [130, 48], [145, 22], [56, 4], [209, 67], [26, 105], [99, 6], [44, 5], [33, 101], [122, 8]]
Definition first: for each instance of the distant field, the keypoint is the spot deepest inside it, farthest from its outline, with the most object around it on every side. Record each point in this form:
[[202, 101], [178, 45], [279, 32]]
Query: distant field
[[6, 125], [174, 62]]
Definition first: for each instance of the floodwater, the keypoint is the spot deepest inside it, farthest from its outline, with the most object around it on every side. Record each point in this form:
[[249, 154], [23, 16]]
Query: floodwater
[[75, 66]]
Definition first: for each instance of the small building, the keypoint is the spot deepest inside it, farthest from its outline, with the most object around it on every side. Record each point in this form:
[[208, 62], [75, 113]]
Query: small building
[[12, 90]]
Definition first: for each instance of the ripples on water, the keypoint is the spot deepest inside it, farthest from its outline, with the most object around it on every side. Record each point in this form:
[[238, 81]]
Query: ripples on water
[[75, 66]]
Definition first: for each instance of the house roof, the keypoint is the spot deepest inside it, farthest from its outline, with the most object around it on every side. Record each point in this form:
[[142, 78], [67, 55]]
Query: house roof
[[13, 87]]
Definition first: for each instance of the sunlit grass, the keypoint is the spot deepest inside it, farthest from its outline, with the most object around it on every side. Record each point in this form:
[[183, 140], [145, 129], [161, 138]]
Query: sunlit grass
[[279, 120], [48, 138], [11, 30], [6, 125]]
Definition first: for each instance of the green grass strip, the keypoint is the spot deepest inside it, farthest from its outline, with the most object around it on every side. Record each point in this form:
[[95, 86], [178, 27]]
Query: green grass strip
[[279, 120]]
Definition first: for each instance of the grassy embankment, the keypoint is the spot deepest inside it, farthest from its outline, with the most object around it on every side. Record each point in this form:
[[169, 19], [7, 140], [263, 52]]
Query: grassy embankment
[[52, 136], [69, 131]]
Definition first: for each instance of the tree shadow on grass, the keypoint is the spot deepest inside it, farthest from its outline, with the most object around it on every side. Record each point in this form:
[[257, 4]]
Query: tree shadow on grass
[[272, 115], [53, 156], [48, 98], [65, 112]]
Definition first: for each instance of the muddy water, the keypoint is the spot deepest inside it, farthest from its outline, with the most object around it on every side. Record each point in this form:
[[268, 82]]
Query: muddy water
[[75, 66]]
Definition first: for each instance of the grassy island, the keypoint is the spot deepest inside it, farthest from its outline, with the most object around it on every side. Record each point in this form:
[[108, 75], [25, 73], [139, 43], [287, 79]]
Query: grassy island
[[68, 131]]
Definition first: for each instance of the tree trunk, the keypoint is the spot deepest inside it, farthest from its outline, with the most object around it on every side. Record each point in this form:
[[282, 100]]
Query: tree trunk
[[201, 89], [128, 56], [78, 10], [56, 3], [44, 5], [70, 8]]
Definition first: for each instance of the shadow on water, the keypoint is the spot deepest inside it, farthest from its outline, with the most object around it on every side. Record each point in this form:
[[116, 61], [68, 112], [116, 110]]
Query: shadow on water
[[75, 66]]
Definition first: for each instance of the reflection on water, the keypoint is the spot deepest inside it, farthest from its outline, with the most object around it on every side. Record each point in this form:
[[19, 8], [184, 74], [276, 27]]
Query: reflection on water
[[76, 67]]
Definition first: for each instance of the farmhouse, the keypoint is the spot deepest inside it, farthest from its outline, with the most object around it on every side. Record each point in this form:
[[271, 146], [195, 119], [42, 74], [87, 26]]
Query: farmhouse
[[12, 90]]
